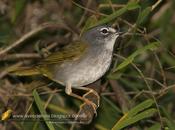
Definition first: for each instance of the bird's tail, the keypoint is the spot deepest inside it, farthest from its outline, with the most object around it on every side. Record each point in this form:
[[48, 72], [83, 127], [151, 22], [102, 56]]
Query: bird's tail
[[24, 71]]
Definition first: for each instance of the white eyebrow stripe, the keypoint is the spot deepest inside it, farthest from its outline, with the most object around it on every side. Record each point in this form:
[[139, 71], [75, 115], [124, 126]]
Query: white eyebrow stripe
[[112, 30]]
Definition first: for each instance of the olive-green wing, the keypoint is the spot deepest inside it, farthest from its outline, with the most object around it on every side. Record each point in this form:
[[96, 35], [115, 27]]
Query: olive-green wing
[[70, 52], [24, 71]]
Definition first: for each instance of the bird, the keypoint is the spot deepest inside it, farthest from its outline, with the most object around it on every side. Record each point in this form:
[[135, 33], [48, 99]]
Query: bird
[[79, 63]]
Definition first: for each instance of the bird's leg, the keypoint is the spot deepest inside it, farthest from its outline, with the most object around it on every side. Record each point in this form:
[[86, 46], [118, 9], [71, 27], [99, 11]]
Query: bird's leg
[[68, 91], [84, 116], [90, 92], [87, 109], [92, 95]]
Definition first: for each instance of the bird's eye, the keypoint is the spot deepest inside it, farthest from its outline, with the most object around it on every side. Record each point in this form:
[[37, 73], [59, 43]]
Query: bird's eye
[[104, 31]]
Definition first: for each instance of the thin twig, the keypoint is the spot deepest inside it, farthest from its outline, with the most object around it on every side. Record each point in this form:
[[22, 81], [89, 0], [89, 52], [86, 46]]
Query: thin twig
[[89, 10], [31, 34], [162, 71], [156, 4], [20, 56], [111, 5], [48, 100], [108, 5], [149, 88], [84, 14], [148, 78], [120, 95]]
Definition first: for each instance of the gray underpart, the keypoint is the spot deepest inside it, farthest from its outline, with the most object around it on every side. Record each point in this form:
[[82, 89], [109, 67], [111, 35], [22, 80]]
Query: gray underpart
[[92, 65]]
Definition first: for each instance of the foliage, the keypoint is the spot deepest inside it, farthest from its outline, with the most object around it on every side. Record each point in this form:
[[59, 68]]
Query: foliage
[[137, 92]]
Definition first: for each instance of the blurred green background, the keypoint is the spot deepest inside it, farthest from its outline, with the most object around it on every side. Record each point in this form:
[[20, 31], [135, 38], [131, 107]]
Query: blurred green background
[[138, 91]]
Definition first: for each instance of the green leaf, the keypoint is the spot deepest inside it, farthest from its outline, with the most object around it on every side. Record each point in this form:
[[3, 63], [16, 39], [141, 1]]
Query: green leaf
[[136, 114], [112, 16], [144, 105], [138, 117], [41, 109], [143, 15], [132, 5], [152, 46], [19, 6], [156, 126], [129, 6], [146, 114]]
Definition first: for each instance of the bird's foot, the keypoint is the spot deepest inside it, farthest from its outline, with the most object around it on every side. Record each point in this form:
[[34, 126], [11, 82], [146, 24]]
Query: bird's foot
[[92, 104], [93, 96]]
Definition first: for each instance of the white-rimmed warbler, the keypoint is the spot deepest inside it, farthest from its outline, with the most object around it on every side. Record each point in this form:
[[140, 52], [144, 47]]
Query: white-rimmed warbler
[[80, 62]]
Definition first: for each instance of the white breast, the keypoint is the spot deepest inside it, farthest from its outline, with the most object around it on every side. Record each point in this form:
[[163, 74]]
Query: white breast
[[93, 70]]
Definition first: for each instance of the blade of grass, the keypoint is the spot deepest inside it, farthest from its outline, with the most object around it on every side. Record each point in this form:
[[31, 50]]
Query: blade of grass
[[130, 6], [152, 46], [144, 105], [41, 109], [134, 116], [142, 16], [131, 120], [19, 6]]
